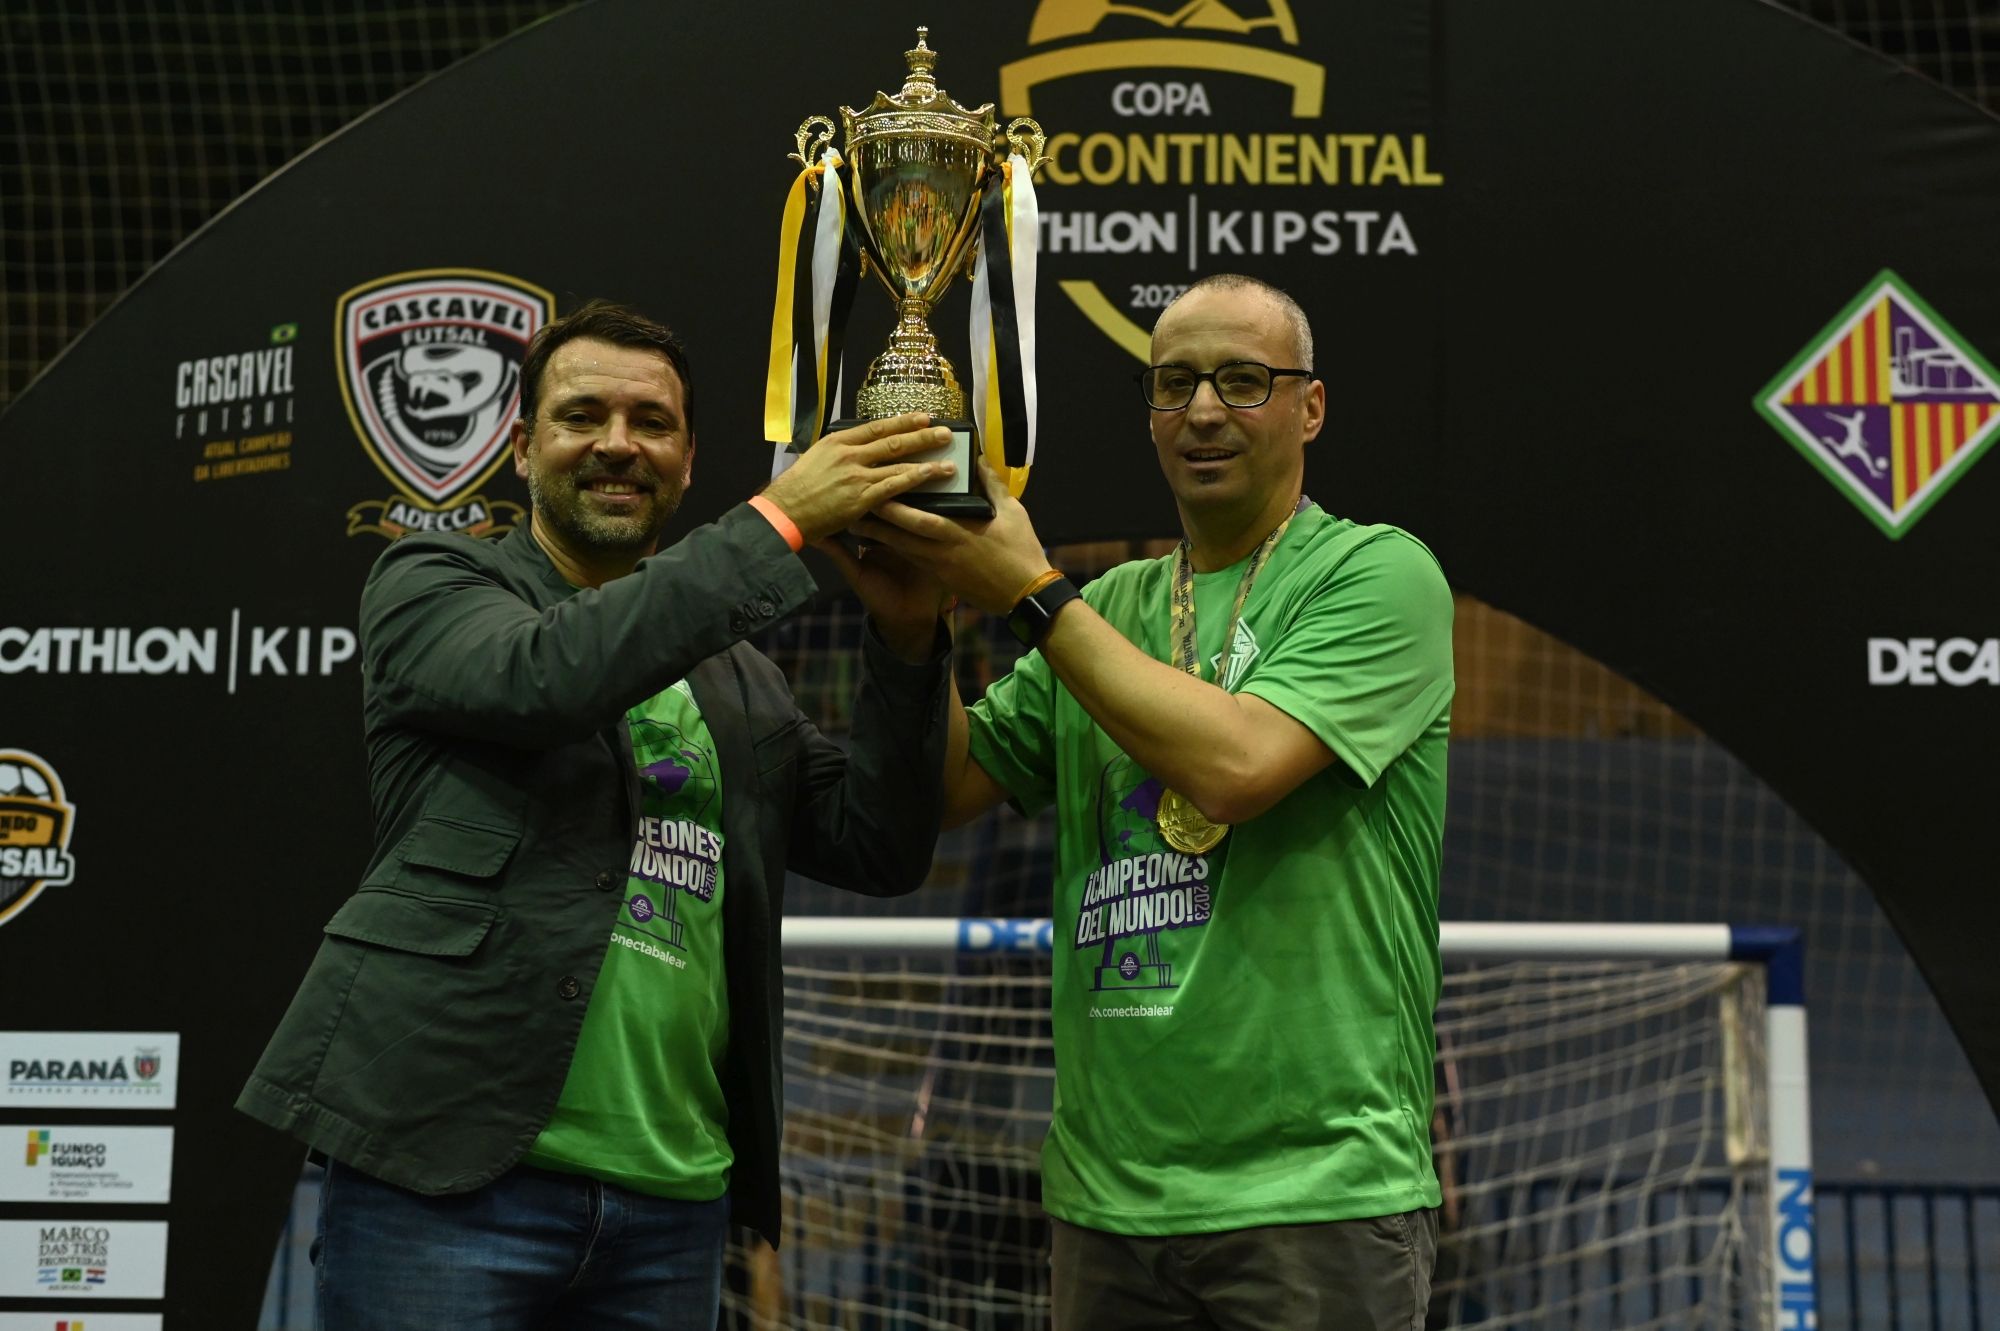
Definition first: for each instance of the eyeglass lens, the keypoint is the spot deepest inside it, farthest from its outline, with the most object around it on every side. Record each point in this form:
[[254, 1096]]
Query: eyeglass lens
[[1238, 384]]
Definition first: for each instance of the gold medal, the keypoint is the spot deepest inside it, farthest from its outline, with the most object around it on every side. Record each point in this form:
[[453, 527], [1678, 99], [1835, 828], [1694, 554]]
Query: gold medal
[[1185, 827]]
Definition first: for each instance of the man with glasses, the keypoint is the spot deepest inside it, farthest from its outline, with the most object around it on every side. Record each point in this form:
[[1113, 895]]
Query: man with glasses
[[1245, 741]]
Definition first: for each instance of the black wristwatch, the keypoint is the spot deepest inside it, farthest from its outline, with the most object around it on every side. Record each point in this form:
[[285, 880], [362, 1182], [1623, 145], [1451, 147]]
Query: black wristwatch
[[1031, 616]]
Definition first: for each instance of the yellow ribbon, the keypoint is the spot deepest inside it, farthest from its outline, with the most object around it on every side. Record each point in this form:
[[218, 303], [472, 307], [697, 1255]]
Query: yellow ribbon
[[778, 375]]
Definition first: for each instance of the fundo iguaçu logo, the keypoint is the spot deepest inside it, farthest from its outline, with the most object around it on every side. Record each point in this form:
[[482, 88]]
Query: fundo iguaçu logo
[[1195, 139]]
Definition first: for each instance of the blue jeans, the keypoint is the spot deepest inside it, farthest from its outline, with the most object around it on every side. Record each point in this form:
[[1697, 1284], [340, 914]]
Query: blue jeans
[[531, 1251]]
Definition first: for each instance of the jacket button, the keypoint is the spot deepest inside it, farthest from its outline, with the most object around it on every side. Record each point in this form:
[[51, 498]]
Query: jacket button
[[607, 880], [567, 987], [738, 624], [766, 608]]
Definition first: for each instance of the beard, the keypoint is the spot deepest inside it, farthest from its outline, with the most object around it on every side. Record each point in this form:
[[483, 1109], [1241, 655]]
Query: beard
[[559, 501]]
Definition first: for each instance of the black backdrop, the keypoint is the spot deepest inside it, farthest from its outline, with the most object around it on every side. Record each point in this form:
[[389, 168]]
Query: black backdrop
[[1643, 215]]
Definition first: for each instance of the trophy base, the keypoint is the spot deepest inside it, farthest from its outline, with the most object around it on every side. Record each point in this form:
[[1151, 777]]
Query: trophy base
[[956, 496], [1132, 975]]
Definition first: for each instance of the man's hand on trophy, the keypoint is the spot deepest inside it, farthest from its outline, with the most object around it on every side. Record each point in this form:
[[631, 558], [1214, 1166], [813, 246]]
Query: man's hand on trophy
[[986, 563], [902, 599], [849, 473]]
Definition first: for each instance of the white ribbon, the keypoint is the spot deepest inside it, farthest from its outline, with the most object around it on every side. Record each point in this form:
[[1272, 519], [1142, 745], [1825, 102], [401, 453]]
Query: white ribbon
[[981, 336], [827, 239], [1027, 237]]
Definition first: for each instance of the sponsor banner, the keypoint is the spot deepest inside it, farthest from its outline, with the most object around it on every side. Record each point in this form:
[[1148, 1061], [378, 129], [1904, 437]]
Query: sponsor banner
[[430, 368], [43, 1163], [235, 407], [1954, 662], [230, 653], [36, 820], [74, 1320], [1889, 402], [105, 1259], [1185, 143], [89, 1069]]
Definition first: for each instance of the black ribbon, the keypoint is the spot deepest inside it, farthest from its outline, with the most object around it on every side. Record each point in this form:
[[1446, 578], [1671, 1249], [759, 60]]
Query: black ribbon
[[1006, 330], [812, 410], [845, 278]]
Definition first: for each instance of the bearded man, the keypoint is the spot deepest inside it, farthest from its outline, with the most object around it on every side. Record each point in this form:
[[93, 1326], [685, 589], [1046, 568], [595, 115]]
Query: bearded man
[[539, 1045]]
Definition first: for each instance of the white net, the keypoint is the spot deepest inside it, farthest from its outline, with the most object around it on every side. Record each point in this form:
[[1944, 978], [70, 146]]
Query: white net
[[1601, 1138], [1599, 1130]]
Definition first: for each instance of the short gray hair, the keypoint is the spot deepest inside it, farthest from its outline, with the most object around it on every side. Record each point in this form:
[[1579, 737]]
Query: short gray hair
[[1302, 333]]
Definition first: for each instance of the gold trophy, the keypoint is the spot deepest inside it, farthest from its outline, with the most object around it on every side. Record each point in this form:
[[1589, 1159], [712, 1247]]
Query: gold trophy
[[920, 165]]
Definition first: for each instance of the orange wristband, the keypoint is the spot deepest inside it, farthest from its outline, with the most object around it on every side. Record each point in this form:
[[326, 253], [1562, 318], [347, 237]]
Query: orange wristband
[[1035, 584], [781, 521]]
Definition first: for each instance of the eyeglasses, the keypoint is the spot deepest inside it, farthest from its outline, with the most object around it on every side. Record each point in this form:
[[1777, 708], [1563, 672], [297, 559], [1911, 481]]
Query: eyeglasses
[[1240, 383]]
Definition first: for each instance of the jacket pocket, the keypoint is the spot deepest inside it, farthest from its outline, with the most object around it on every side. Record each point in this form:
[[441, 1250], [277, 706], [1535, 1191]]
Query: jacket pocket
[[427, 926], [778, 750], [444, 857], [474, 850]]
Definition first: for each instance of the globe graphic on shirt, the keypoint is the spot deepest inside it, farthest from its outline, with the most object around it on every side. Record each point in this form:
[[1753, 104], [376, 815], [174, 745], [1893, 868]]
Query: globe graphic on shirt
[[674, 767], [1128, 802]]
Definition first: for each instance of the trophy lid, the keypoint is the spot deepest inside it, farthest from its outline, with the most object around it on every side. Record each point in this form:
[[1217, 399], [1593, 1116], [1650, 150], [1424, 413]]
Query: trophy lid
[[921, 107], [920, 86]]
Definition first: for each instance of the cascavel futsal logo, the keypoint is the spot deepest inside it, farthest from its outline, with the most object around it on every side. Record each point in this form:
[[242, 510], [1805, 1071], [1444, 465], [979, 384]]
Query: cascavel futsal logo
[[1888, 402], [36, 820], [1182, 138], [430, 367]]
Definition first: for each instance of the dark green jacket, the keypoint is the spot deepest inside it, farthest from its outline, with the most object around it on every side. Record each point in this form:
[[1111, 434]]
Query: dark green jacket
[[431, 1037]]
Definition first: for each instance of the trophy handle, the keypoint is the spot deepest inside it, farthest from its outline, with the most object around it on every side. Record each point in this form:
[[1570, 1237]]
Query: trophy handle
[[812, 145], [1025, 137]]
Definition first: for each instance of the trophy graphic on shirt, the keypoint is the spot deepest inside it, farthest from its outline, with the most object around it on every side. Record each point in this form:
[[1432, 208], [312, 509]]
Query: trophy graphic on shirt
[[1123, 967]]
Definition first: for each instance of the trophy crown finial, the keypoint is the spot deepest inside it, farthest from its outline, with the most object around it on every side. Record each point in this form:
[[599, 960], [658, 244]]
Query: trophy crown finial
[[920, 86]]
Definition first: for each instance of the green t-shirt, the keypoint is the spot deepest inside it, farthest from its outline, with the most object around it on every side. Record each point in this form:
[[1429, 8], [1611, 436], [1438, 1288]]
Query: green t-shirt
[[643, 1105], [1245, 1037]]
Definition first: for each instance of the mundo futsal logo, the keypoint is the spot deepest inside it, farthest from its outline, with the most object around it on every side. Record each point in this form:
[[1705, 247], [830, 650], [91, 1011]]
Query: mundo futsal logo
[[36, 820], [1184, 136], [1889, 403], [430, 367]]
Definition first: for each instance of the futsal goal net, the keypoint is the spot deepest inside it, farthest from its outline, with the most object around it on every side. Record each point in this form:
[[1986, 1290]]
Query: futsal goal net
[[1620, 1129]]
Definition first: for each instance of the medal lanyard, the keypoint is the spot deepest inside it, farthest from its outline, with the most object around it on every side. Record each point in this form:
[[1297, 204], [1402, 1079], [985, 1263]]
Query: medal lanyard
[[1186, 655]]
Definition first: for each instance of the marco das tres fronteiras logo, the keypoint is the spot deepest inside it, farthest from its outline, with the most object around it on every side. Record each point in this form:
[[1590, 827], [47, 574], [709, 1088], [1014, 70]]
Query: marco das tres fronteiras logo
[[430, 368], [1196, 139]]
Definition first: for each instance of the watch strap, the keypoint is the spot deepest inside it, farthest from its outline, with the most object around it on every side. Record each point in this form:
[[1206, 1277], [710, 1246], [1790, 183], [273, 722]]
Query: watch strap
[[1032, 615]]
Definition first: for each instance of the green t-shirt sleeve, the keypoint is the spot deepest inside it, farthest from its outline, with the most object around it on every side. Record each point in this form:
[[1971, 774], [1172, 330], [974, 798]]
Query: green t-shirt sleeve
[[1012, 733], [1365, 663]]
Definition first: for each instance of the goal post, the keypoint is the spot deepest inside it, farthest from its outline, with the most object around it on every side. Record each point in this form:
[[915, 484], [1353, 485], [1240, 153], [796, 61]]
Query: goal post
[[1621, 1128]]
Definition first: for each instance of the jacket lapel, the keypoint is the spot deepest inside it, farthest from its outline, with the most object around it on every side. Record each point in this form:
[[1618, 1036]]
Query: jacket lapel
[[746, 909]]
